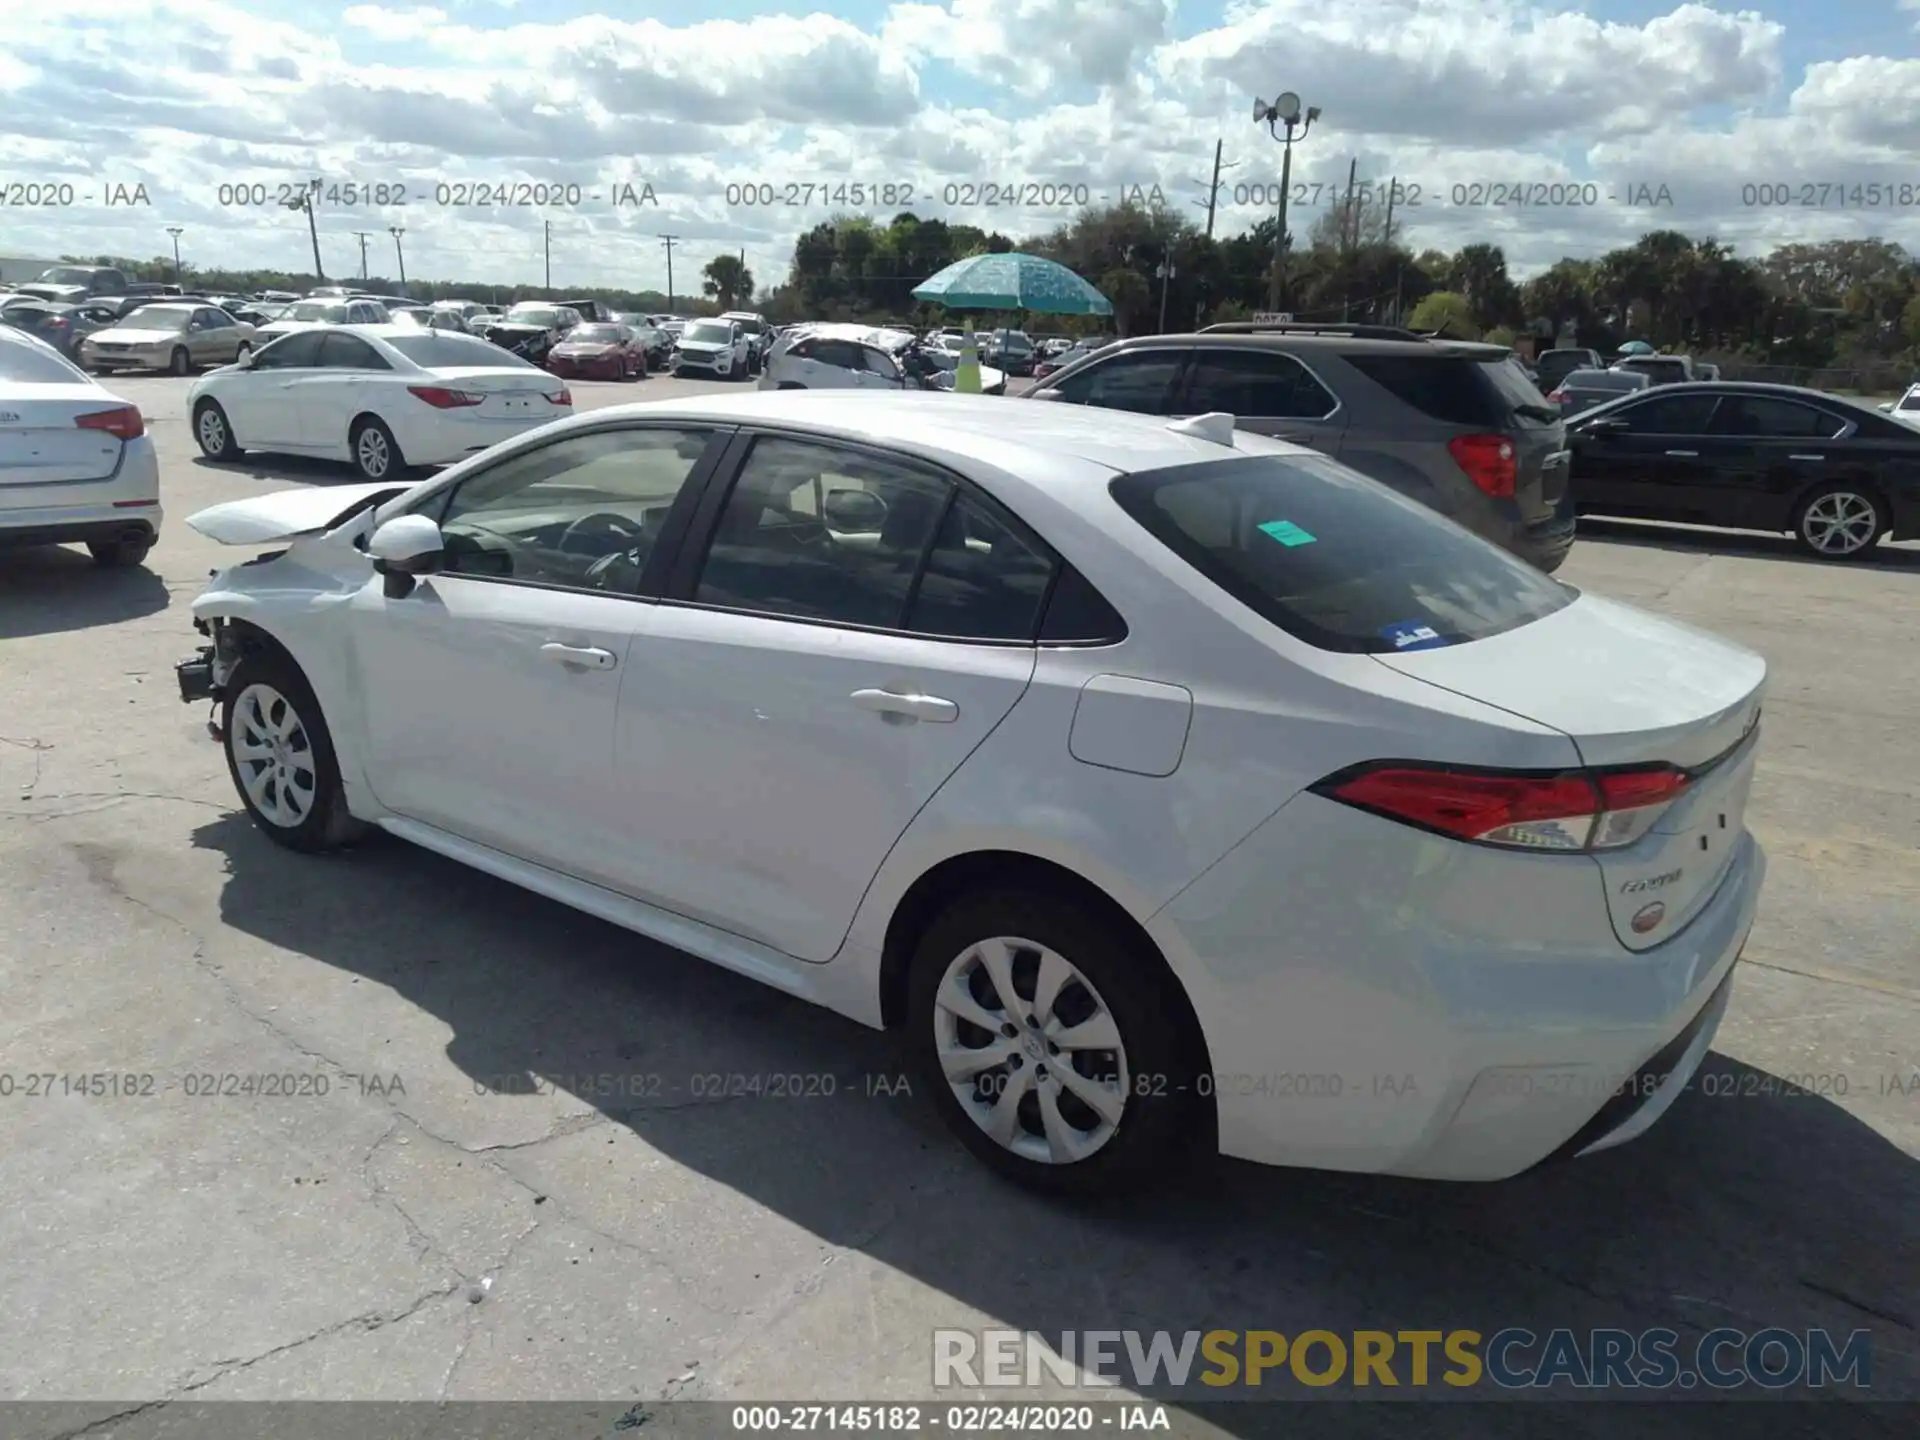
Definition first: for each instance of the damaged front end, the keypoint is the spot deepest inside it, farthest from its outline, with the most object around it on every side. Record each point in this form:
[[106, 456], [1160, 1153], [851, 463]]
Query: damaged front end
[[204, 676]]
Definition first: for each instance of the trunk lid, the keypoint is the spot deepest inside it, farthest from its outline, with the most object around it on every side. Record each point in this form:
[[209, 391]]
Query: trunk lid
[[41, 443], [510, 390], [1632, 688]]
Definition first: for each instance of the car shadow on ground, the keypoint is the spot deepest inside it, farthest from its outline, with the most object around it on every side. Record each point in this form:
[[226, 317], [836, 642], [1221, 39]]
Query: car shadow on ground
[[299, 470], [1773, 1209], [51, 589], [1652, 534]]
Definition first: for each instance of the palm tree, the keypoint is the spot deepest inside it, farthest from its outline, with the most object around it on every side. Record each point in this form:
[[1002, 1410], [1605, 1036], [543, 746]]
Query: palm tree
[[728, 281]]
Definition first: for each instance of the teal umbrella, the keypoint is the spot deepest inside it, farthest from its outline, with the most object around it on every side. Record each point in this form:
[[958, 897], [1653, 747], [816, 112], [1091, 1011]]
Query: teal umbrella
[[1012, 281], [1637, 347]]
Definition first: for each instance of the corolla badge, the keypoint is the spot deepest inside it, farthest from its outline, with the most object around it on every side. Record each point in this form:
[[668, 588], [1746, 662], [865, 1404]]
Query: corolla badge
[[1648, 917]]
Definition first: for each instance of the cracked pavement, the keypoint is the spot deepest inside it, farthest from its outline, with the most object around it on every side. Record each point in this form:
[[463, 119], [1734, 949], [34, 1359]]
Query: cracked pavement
[[504, 1163]]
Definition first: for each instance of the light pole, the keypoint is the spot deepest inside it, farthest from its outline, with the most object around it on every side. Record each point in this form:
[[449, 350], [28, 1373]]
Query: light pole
[[1166, 272], [396, 231], [1284, 111], [175, 232], [304, 202]]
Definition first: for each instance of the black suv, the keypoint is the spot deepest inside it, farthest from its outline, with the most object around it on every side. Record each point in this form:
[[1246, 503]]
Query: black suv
[[1459, 427]]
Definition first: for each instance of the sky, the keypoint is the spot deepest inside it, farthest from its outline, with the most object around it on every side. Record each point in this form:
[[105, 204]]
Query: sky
[[504, 137]]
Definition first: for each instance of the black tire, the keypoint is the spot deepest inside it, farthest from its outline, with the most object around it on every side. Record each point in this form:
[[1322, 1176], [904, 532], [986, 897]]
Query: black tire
[[327, 824], [217, 445], [1843, 497], [790, 385], [363, 454], [180, 362], [245, 349], [121, 554], [1163, 1115]]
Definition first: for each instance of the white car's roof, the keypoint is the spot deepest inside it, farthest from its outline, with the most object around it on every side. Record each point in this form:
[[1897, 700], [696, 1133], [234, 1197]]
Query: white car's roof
[[1018, 436]]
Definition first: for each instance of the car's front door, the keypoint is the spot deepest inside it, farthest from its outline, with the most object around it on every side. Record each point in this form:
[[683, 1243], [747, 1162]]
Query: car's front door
[[817, 670], [1644, 458], [1143, 381], [1265, 392], [489, 693], [262, 403]]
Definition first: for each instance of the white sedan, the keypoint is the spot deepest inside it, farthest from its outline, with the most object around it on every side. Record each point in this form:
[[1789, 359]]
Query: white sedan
[[1907, 407], [76, 462], [1169, 787], [383, 397]]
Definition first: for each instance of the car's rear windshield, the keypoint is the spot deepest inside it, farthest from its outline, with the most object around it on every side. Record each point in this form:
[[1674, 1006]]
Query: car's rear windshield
[[1672, 370], [24, 363], [437, 350], [1333, 558], [1618, 381], [1457, 389]]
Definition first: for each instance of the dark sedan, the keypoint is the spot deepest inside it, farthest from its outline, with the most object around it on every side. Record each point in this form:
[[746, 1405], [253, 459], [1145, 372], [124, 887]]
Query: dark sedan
[[1834, 473], [599, 351]]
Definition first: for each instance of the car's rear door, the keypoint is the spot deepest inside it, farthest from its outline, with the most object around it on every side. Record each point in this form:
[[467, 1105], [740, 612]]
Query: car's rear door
[[1266, 392], [1762, 452], [807, 690]]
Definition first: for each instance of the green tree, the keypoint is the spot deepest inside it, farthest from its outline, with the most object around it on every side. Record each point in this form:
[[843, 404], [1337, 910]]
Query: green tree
[[728, 281], [1446, 312], [1131, 297]]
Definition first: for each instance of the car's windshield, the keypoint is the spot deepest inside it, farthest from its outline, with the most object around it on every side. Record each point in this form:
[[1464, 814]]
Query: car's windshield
[[66, 275], [752, 327], [709, 331], [158, 317], [534, 315], [328, 310], [1334, 558], [596, 334], [437, 350]]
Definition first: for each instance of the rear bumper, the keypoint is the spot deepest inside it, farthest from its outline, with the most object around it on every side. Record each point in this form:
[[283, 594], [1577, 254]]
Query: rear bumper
[[126, 502], [1390, 1008], [73, 530]]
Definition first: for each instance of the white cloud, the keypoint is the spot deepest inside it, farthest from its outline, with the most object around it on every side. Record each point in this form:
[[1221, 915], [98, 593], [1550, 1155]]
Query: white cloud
[[1438, 92]]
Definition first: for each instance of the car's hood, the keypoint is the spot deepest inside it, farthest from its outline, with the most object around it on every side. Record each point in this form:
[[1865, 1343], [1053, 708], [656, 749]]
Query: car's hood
[[705, 347], [128, 335], [52, 292], [284, 514], [585, 347], [287, 327]]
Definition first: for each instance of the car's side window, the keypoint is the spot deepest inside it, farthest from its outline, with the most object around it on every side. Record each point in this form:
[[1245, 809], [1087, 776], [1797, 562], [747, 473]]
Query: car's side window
[[1764, 418], [876, 362], [1669, 415], [985, 578], [841, 354], [298, 351], [583, 512], [1140, 383], [816, 532], [1258, 384], [349, 352]]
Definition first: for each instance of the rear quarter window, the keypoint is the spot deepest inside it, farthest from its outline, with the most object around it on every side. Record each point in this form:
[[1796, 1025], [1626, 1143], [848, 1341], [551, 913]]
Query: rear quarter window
[[1448, 388], [1333, 558]]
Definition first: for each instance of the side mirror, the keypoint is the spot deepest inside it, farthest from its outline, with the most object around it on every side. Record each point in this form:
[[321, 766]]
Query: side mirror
[[245, 360], [405, 548], [1045, 395]]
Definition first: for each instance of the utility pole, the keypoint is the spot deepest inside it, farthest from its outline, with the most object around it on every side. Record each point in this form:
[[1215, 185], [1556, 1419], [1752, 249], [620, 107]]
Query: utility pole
[[363, 236], [549, 231], [1350, 234], [175, 231], [669, 241], [1211, 203], [305, 201], [398, 254]]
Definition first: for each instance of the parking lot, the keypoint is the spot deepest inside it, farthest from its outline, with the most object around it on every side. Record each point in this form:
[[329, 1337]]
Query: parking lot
[[486, 1203]]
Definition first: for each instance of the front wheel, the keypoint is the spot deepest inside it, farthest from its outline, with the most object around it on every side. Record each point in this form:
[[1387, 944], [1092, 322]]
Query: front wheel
[[214, 431], [281, 756], [1047, 1038], [180, 362], [1839, 522]]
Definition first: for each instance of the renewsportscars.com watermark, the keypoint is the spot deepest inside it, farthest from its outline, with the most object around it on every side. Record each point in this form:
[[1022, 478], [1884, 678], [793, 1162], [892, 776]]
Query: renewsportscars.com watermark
[[1510, 1359]]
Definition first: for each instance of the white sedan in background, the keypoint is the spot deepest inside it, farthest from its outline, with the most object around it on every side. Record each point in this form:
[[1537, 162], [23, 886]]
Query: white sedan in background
[[1167, 786], [381, 397], [1906, 408], [303, 313], [76, 462]]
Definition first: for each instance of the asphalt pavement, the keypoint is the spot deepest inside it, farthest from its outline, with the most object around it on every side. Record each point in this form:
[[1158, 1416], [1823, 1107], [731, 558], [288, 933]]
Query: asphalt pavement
[[515, 1153]]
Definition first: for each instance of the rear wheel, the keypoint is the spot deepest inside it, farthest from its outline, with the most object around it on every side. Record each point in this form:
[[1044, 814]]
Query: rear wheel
[[281, 756], [1839, 521], [121, 554], [376, 455], [1045, 1035]]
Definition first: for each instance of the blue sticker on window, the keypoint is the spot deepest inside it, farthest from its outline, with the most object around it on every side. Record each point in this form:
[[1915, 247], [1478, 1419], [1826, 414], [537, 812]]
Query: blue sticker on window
[[1412, 635], [1286, 532]]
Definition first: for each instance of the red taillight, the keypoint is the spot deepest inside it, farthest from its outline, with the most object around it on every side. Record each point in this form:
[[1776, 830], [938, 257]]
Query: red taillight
[[127, 422], [1488, 461], [1518, 810], [560, 397], [442, 398]]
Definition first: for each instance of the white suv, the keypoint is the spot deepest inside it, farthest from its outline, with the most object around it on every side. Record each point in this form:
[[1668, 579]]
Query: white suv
[[76, 462]]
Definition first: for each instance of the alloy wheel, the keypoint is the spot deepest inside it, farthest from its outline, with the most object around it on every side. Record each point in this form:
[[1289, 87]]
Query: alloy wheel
[[274, 756], [1032, 1052], [372, 452], [213, 431], [1840, 522]]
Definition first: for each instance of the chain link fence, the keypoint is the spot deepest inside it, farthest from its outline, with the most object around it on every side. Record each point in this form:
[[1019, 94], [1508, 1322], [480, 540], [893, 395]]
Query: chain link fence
[[1880, 380]]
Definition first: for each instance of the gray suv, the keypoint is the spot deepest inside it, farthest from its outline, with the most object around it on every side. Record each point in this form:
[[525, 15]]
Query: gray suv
[[1456, 426]]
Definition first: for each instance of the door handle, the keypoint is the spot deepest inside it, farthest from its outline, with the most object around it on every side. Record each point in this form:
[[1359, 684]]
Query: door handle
[[587, 657], [1685, 454], [912, 707], [1806, 457]]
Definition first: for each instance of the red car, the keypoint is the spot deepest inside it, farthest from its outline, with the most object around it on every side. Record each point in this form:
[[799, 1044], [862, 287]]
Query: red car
[[599, 352]]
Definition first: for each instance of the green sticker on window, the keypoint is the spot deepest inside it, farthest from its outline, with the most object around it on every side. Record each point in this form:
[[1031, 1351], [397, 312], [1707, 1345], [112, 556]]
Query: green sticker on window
[[1286, 532]]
